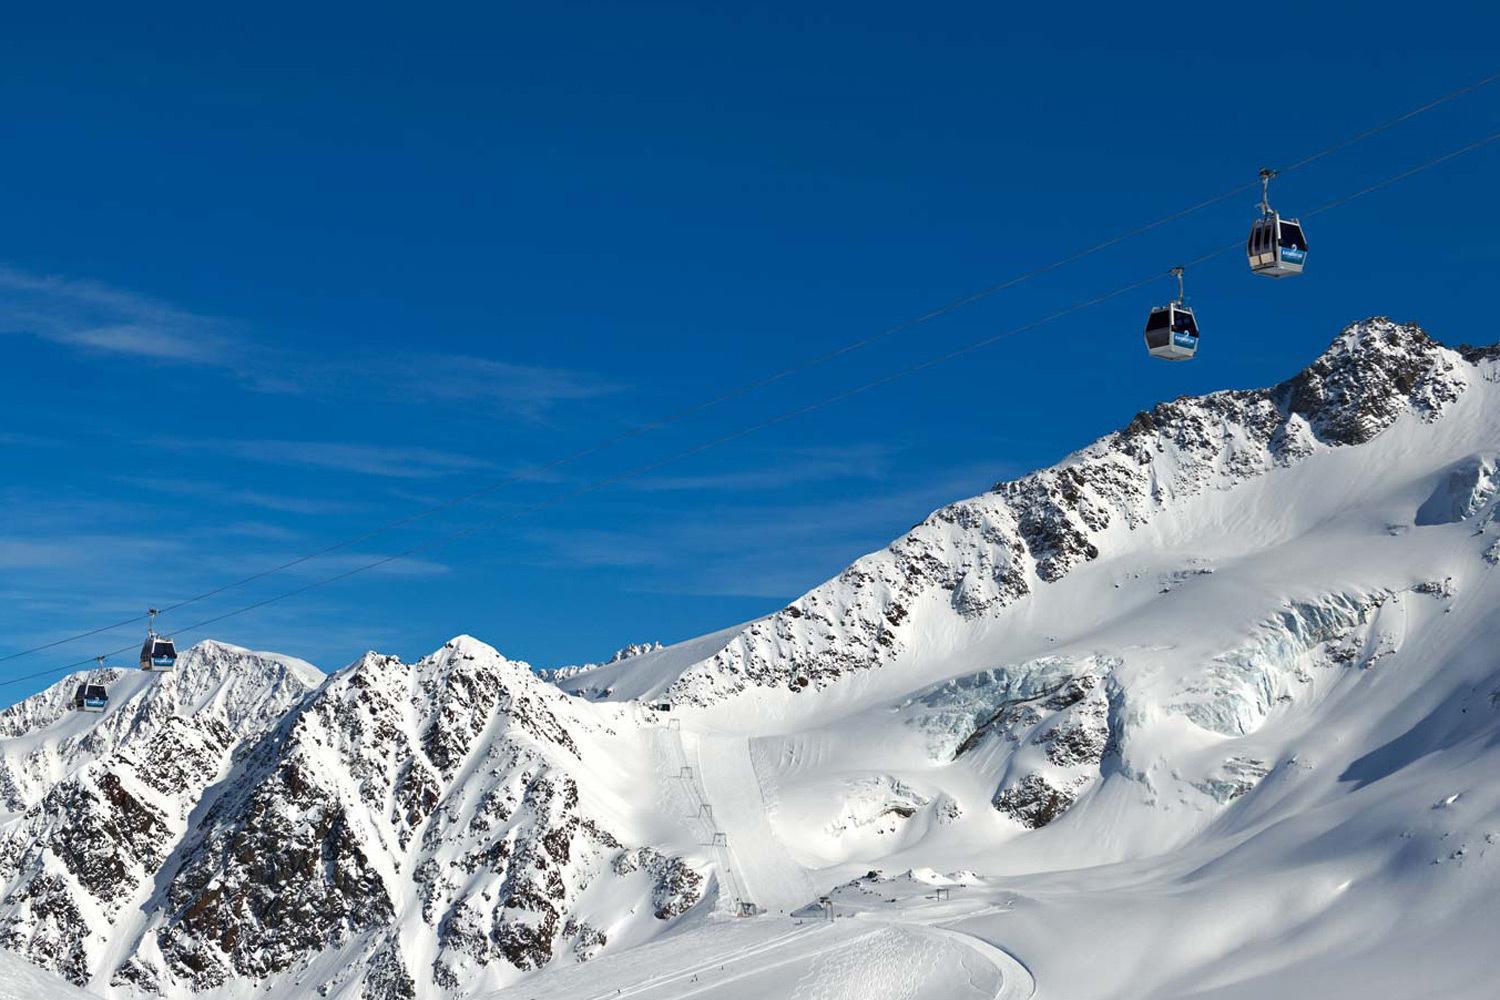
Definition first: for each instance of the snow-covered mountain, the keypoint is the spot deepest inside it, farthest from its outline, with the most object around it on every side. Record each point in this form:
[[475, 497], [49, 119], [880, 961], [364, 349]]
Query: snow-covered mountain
[[1212, 707], [94, 805]]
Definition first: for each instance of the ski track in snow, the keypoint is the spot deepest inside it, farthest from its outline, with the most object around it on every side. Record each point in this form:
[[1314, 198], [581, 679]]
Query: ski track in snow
[[691, 973], [680, 793], [768, 875], [885, 964], [1016, 979]]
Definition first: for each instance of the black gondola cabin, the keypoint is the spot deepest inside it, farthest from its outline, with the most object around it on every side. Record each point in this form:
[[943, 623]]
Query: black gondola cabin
[[158, 653], [1172, 332], [91, 698]]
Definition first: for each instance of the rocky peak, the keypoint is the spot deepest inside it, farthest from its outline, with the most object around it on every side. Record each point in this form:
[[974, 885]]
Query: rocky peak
[[634, 649], [1372, 373], [557, 675], [450, 781], [230, 692], [987, 552], [102, 798]]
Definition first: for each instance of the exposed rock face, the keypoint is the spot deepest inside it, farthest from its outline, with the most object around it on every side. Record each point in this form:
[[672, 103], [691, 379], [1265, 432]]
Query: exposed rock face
[[455, 769], [1374, 372], [1034, 801], [435, 801], [1061, 741], [1236, 776], [634, 649], [103, 801], [985, 553], [674, 886]]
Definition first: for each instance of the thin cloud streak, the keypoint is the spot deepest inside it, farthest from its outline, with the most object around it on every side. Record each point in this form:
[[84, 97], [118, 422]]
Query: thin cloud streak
[[772, 551], [232, 496], [385, 461], [797, 468], [527, 391], [97, 319]]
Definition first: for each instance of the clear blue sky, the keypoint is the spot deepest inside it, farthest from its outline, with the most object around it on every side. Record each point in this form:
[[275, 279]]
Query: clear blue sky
[[272, 277]]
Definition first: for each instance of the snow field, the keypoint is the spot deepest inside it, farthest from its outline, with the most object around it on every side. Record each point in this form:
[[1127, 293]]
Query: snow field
[[767, 874]]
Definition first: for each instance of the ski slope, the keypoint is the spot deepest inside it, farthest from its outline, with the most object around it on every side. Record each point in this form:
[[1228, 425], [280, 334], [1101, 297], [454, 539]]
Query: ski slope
[[764, 870], [1248, 749], [778, 957]]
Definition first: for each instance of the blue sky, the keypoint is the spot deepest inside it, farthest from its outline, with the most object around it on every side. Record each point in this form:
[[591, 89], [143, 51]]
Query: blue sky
[[274, 277]]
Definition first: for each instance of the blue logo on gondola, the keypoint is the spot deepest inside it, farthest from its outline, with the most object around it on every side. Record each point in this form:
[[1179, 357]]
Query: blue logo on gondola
[[1184, 340], [1292, 255]]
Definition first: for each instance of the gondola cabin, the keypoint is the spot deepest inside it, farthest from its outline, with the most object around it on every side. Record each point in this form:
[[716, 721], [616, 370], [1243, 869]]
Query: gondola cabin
[[1277, 247], [1172, 332], [91, 698], [158, 653]]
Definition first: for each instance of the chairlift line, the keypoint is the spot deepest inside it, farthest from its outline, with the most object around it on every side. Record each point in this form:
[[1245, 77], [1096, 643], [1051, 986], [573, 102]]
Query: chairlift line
[[780, 418], [1181, 323]]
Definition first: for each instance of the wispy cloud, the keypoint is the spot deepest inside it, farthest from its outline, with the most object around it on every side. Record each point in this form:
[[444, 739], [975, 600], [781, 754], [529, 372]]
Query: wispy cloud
[[797, 468], [332, 565], [389, 461], [259, 530], [527, 391], [75, 552], [99, 319], [774, 551], [236, 497], [17, 440], [83, 563], [598, 547]]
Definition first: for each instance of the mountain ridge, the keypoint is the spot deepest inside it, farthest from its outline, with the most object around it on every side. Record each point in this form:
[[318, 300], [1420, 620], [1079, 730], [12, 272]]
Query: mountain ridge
[[1035, 529], [993, 692]]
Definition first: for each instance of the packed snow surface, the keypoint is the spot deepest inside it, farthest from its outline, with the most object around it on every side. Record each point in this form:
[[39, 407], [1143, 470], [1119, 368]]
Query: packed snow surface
[[1209, 709]]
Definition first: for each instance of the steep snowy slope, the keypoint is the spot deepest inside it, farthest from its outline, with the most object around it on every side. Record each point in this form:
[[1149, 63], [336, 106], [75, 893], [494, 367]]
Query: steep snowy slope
[[1150, 485], [20, 980], [469, 813], [1210, 708], [1213, 705], [95, 803]]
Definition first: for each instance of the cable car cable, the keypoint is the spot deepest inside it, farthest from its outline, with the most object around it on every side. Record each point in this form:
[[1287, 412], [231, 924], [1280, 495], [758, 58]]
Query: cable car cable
[[780, 418], [759, 383]]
